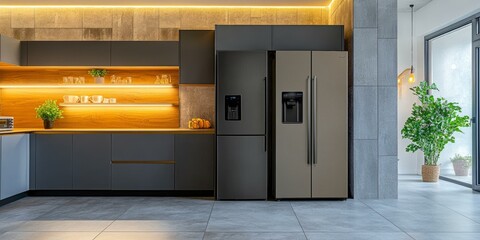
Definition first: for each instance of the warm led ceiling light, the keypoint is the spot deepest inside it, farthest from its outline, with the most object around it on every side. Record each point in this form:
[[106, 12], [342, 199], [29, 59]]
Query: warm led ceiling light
[[187, 7]]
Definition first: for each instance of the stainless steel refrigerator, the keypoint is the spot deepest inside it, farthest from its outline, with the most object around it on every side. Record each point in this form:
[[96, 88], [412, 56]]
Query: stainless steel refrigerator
[[241, 124], [311, 124]]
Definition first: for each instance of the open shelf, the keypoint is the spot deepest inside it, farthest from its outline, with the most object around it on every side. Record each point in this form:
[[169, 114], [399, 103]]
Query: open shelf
[[89, 86], [116, 105]]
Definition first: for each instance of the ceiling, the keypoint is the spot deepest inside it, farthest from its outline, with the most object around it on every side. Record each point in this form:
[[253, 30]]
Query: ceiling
[[404, 5], [276, 3]]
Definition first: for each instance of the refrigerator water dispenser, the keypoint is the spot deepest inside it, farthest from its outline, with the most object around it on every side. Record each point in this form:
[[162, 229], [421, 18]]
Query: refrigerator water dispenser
[[292, 110], [233, 107]]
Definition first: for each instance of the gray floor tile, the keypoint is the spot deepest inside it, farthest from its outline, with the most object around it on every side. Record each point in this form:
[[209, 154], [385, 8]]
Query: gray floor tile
[[165, 214], [411, 216], [63, 226], [150, 236], [341, 216], [34, 201], [253, 217], [166, 225], [358, 236], [7, 226], [254, 236], [90, 208], [49, 235], [445, 236], [24, 212]]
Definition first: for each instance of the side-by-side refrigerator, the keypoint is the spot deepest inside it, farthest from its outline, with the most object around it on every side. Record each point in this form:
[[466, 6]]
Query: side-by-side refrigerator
[[241, 124], [311, 124]]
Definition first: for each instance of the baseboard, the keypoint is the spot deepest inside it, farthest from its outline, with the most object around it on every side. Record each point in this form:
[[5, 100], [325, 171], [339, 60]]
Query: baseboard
[[13, 198], [123, 193]]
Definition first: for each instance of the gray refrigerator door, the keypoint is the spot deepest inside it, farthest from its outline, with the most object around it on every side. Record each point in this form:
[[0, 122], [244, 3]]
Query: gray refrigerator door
[[241, 92], [241, 167], [292, 167]]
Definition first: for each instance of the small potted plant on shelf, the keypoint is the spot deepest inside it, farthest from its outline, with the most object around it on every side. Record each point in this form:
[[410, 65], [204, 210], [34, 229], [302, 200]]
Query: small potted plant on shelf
[[98, 75], [431, 126], [461, 164], [49, 112]]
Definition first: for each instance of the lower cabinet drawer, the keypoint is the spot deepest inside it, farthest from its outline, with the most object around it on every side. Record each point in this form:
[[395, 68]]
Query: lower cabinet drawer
[[130, 176]]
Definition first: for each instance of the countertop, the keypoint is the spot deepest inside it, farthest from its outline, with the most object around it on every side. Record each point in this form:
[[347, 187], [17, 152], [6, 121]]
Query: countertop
[[109, 130]]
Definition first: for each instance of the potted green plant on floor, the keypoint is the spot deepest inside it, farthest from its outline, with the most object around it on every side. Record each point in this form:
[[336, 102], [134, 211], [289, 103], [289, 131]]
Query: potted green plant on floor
[[461, 164], [431, 127], [98, 75], [49, 112]]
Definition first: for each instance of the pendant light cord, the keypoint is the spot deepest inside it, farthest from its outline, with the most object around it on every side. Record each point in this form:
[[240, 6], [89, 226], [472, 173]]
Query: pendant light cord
[[411, 38]]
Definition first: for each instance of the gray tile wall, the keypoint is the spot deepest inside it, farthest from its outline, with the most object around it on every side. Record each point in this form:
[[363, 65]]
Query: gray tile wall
[[374, 99]]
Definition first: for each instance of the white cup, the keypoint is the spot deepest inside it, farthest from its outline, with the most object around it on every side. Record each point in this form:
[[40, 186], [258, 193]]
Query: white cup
[[84, 99]]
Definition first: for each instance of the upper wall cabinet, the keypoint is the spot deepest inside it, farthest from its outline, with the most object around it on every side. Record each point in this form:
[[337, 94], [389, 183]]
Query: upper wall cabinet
[[197, 56], [242, 37], [68, 53], [144, 53], [313, 38], [9, 51]]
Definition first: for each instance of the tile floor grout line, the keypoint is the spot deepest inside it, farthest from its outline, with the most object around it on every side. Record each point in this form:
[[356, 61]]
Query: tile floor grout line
[[114, 220], [399, 228], [208, 221], [298, 220]]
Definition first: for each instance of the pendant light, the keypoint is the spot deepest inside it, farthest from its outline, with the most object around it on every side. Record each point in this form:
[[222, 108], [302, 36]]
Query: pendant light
[[410, 72], [411, 78]]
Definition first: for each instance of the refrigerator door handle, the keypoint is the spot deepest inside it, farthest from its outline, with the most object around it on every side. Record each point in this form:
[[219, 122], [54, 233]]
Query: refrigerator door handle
[[266, 112], [314, 120], [309, 122]]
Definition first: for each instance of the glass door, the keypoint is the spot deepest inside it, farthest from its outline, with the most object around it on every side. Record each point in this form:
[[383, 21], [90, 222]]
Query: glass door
[[450, 68], [476, 75]]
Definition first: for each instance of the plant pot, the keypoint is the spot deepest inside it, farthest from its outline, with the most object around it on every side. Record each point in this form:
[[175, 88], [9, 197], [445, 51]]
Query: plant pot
[[99, 80], [460, 167], [430, 173], [47, 124]]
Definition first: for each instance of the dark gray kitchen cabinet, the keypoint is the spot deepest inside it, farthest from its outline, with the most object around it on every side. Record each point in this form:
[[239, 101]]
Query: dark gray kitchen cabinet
[[68, 53], [194, 162], [142, 147], [53, 161], [142, 176], [243, 37], [197, 56], [92, 156], [311, 38], [144, 53]]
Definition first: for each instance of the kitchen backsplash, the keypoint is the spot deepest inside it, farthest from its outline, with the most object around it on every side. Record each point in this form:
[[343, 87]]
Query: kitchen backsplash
[[197, 101], [141, 23]]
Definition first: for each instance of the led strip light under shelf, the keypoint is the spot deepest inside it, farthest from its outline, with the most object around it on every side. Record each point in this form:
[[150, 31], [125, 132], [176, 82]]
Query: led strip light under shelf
[[89, 86], [116, 104]]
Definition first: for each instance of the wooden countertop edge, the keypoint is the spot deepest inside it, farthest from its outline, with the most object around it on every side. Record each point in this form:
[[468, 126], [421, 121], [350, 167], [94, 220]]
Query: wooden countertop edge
[[109, 130]]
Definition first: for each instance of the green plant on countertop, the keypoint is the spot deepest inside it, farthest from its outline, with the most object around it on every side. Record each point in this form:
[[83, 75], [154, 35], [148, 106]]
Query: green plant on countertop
[[98, 72], [49, 111], [467, 159], [432, 123]]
